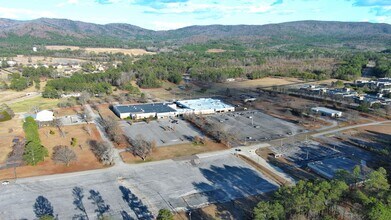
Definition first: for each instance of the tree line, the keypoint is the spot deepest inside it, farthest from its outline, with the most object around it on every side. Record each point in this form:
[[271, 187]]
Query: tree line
[[321, 199]]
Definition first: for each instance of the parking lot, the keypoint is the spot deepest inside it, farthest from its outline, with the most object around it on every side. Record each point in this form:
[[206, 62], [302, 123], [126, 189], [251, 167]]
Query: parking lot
[[254, 126], [304, 152], [138, 191], [164, 131]]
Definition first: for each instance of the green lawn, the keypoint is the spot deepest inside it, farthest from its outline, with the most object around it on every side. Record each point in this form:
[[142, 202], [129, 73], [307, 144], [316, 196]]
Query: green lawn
[[26, 105]]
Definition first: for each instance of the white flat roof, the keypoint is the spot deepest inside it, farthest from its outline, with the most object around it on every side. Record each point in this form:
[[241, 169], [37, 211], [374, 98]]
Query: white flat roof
[[204, 104], [326, 110]]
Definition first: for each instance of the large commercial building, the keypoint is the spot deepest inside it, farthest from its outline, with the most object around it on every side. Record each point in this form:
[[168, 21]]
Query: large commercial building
[[178, 108]]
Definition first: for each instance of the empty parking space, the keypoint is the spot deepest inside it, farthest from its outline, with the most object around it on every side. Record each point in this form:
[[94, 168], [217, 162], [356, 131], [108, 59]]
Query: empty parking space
[[305, 151], [253, 126], [138, 191], [164, 131]]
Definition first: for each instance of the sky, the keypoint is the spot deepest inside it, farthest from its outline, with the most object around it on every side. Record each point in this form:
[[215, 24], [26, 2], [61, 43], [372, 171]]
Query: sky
[[172, 14]]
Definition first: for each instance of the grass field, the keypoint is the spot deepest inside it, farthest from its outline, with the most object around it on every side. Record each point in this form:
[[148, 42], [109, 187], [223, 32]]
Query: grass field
[[26, 105], [86, 160], [175, 151]]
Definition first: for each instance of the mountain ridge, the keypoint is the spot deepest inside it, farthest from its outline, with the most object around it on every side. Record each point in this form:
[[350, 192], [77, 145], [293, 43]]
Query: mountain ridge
[[65, 31]]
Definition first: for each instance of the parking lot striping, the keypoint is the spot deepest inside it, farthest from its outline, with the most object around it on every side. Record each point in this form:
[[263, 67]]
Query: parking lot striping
[[164, 131], [254, 126]]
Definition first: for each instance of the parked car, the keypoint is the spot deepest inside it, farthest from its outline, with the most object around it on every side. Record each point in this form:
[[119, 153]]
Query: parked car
[[5, 182]]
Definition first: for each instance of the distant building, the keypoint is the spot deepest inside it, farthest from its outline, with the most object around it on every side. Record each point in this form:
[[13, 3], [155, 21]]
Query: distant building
[[44, 116], [35, 49], [11, 63], [178, 108], [327, 112]]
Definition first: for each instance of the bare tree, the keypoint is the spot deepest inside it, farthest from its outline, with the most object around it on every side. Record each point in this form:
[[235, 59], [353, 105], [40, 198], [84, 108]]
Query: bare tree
[[84, 97], [87, 115], [87, 129], [34, 109], [140, 147], [113, 129], [58, 123], [387, 109], [103, 151], [63, 154]]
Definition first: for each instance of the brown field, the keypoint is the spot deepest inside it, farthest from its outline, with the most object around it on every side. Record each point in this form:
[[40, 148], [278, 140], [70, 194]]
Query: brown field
[[106, 112], [133, 52], [215, 51], [6, 136], [86, 159], [175, 151], [384, 130], [59, 112], [45, 60]]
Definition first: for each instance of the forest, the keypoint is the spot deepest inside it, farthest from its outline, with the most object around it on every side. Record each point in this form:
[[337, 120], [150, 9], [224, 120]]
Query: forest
[[321, 199]]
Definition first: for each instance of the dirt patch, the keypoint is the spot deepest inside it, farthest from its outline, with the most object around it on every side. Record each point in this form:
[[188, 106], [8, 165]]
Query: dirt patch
[[60, 112], [215, 51], [8, 130], [86, 159], [46, 60], [175, 151]]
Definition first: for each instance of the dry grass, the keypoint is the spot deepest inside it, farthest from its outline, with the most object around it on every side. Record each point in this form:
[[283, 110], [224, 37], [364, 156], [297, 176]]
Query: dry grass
[[133, 52], [215, 51], [86, 159], [175, 151], [6, 136], [45, 60]]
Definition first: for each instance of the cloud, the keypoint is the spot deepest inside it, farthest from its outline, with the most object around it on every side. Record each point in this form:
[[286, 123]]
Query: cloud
[[158, 4], [163, 25], [20, 13], [208, 7], [277, 2], [381, 11], [372, 3], [107, 2]]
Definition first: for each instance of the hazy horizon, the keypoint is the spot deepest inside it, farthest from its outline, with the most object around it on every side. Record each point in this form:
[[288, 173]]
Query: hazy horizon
[[173, 14]]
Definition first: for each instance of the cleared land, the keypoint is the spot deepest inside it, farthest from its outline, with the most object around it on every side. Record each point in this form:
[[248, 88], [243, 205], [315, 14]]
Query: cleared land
[[215, 51], [133, 52], [45, 60], [168, 184], [175, 151], [86, 159], [253, 126], [9, 130]]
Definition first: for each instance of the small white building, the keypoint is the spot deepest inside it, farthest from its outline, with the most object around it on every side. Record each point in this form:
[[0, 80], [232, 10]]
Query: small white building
[[327, 112], [44, 116]]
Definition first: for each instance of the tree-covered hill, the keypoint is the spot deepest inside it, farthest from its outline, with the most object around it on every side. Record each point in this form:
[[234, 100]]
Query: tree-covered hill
[[46, 31]]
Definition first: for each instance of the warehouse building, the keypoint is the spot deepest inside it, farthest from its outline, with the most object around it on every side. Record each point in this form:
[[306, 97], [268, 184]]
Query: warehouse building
[[327, 112], [179, 108], [204, 106], [159, 110]]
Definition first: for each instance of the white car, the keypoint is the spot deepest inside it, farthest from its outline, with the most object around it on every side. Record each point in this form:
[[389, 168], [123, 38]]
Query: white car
[[5, 182]]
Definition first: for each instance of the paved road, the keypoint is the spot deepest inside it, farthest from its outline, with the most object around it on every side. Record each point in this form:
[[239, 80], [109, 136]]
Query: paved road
[[349, 127], [23, 98], [98, 120]]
